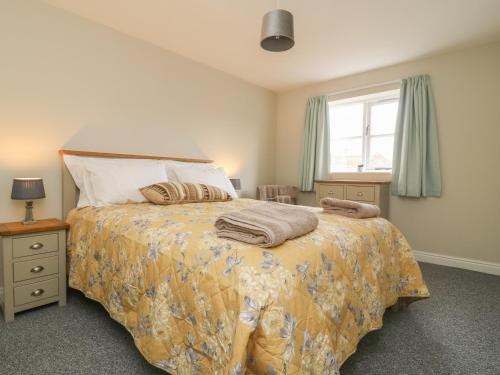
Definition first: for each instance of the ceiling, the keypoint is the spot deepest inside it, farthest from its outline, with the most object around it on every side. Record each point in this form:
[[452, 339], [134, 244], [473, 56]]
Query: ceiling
[[333, 38]]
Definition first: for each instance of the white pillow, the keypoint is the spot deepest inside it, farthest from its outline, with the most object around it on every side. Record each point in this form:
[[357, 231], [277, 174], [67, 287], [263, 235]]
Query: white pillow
[[80, 175], [170, 165], [117, 181], [209, 176]]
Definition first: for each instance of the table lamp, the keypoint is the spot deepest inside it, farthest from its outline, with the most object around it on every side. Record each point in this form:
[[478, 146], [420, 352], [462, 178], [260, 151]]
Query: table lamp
[[28, 189], [236, 182]]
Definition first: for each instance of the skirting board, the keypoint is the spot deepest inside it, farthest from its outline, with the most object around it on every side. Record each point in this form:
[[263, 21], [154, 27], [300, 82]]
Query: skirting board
[[465, 263]]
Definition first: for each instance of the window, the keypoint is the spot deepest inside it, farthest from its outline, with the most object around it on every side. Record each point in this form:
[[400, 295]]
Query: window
[[362, 132]]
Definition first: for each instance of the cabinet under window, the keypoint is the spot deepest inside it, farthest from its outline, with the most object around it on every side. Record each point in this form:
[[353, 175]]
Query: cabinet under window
[[362, 132]]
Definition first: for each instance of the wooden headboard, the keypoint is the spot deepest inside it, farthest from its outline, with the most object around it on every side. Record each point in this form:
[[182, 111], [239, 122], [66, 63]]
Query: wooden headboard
[[70, 191]]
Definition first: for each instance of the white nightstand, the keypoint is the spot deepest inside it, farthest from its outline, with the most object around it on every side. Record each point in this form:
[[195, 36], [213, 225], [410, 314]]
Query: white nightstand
[[32, 265]]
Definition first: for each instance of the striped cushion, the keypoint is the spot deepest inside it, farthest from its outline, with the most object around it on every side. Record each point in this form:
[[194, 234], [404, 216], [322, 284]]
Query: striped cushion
[[176, 192]]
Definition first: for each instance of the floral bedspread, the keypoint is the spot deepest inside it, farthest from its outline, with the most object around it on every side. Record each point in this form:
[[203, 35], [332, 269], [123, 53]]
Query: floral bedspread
[[197, 304]]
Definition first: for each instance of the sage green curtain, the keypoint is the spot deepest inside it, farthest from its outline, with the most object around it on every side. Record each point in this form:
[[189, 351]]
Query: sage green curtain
[[415, 168], [316, 145]]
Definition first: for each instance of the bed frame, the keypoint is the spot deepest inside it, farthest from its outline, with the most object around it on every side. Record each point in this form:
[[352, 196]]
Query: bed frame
[[70, 191]]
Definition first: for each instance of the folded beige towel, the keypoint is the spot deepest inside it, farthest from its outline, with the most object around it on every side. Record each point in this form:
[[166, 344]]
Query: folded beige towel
[[347, 208], [267, 224]]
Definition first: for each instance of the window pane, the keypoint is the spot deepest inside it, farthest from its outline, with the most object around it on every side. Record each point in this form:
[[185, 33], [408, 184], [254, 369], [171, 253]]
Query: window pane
[[383, 118], [381, 152], [346, 120], [346, 154]]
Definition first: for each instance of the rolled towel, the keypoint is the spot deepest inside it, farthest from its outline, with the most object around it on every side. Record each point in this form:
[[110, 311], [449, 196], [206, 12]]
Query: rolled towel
[[267, 224], [347, 208]]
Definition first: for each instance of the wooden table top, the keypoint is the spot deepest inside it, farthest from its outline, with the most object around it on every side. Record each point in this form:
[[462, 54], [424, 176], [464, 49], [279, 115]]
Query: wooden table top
[[46, 225]]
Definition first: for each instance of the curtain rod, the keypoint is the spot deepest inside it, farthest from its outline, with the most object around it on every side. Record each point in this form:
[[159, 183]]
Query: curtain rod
[[364, 87]]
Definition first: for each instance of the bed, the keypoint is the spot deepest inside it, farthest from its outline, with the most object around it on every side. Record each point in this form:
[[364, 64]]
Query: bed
[[197, 304]]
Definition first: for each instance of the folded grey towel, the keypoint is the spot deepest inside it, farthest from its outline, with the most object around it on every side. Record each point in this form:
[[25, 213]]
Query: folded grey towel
[[267, 224], [347, 208]]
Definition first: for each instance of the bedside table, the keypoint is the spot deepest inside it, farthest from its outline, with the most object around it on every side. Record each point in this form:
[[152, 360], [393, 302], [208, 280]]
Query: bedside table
[[32, 265]]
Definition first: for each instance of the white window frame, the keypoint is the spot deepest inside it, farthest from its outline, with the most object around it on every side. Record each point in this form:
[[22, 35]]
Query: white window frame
[[368, 102]]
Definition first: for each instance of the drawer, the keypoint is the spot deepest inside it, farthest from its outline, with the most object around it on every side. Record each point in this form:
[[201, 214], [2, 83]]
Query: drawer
[[34, 245], [365, 193], [35, 268], [36, 291], [332, 191]]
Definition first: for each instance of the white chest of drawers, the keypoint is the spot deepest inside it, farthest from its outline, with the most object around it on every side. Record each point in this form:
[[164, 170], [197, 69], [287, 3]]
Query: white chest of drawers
[[373, 192]]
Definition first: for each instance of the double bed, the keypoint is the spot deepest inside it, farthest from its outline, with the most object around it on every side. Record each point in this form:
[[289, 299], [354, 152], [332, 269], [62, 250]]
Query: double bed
[[198, 304]]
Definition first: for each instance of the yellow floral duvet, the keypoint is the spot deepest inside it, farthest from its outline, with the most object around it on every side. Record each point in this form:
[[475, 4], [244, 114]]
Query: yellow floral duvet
[[197, 304]]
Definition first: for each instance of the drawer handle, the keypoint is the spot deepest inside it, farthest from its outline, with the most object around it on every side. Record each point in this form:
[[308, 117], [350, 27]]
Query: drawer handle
[[359, 194], [37, 269], [331, 193], [36, 246], [37, 292]]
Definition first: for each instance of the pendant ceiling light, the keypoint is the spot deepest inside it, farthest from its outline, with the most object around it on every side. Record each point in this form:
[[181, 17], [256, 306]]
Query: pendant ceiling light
[[277, 31]]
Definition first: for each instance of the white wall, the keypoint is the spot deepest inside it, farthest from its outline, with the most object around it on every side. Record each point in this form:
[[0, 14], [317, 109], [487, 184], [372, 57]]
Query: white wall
[[68, 83], [465, 221]]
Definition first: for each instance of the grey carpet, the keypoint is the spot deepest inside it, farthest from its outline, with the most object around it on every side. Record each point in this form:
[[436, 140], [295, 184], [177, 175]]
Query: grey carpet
[[457, 331]]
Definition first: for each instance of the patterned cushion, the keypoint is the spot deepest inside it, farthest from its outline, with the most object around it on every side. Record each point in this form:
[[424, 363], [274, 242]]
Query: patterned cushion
[[176, 192]]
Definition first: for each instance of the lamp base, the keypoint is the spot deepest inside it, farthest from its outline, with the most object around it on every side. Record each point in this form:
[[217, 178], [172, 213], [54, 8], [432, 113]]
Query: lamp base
[[28, 218]]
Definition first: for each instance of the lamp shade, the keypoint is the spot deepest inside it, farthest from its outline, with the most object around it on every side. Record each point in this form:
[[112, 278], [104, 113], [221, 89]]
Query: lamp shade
[[27, 188], [277, 31], [236, 183]]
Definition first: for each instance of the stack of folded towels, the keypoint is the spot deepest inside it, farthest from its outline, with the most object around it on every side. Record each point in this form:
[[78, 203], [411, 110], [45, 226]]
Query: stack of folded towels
[[267, 224], [350, 209]]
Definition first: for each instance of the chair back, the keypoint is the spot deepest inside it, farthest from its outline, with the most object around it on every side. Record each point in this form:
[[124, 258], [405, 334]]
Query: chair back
[[277, 193]]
